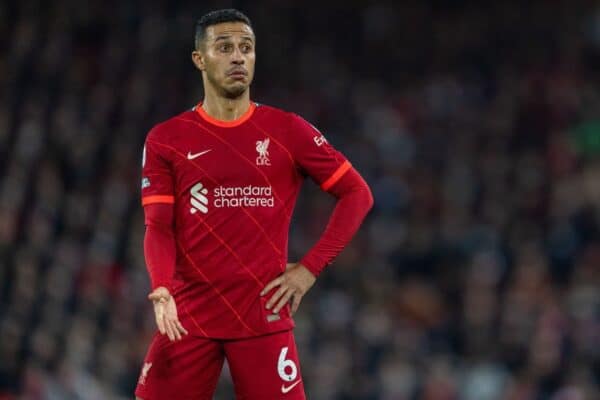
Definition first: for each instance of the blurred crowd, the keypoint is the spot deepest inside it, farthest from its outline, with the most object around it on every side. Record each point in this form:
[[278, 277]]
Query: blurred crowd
[[477, 274]]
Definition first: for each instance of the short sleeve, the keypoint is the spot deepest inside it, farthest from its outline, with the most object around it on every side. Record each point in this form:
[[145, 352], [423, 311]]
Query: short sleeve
[[315, 155], [157, 178]]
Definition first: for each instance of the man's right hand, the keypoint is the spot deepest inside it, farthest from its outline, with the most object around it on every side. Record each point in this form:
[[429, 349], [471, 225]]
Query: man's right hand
[[165, 312]]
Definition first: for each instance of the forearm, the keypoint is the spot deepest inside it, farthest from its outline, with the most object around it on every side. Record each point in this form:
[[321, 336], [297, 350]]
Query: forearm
[[354, 202], [159, 244]]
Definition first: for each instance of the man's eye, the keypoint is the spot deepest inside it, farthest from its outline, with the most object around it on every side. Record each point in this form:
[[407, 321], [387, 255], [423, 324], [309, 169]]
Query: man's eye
[[225, 47], [246, 48]]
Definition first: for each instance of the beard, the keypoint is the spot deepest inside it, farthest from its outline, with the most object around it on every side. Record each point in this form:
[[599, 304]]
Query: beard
[[232, 92]]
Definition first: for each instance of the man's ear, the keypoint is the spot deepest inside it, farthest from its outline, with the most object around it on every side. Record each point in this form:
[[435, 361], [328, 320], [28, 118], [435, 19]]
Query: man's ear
[[198, 59]]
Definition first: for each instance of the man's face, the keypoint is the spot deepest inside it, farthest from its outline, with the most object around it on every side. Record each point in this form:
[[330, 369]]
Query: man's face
[[227, 57]]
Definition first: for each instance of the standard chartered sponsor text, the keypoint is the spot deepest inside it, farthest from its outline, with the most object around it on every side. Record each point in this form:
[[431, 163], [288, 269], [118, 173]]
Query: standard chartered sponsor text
[[243, 196]]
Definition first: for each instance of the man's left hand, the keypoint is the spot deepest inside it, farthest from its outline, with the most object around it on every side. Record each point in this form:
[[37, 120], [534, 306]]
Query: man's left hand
[[293, 285]]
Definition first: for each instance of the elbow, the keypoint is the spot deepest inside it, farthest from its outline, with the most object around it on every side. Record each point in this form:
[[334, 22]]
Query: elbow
[[364, 198], [365, 194], [370, 199]]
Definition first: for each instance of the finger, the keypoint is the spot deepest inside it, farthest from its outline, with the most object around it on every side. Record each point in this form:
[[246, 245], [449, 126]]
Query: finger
[[158, 296], [274, 283], [161, 311], [171, 327], [176, 335], [180, 327], [174, 319], [296, 299], [158, 313], [168, 329], [160, 324], [284, 300], [175, 330], [276, 297]]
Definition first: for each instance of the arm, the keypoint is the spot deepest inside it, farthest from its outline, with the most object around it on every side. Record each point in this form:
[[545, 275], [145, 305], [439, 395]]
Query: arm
[[159, 251], [317, 158], [159, 244], [159, 240], [354, 202]]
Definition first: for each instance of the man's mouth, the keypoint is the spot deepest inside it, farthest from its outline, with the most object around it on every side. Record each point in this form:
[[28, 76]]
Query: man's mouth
[[238, 73]]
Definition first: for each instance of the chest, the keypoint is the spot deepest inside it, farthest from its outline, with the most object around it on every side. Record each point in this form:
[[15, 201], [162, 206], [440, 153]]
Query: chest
[[232, 157]]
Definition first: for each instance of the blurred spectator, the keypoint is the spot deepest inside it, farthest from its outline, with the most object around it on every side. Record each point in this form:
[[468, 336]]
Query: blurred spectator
[[476, 277]]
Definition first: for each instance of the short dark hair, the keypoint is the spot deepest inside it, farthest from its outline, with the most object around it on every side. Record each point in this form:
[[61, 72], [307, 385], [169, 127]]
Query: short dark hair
[[218, 17]]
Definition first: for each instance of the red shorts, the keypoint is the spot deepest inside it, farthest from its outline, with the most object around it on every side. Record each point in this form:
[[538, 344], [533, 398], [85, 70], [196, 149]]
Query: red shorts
[[264, 367]]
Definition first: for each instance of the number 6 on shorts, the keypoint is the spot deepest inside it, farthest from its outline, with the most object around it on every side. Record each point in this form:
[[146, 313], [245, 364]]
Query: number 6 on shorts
[[282, 364]]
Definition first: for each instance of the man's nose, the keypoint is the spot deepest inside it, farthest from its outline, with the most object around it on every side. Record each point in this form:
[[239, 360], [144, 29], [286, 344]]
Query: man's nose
[[237, 57]]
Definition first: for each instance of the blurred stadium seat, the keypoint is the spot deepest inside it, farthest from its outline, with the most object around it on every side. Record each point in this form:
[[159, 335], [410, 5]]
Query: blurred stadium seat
[[476, 276]]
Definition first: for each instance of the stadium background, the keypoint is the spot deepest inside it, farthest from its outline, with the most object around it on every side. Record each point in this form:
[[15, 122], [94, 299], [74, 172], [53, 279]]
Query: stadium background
[[477, 125]]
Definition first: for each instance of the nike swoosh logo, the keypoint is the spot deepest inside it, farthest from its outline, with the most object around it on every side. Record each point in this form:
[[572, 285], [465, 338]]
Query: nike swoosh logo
[[285, 389], [191, 156]]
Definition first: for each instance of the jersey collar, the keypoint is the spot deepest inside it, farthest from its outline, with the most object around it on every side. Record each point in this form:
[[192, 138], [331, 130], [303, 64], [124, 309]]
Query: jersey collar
[[225, 124]]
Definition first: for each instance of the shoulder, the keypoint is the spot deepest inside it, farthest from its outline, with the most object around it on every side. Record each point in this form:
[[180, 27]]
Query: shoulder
[[265, 112], [284, 118], [162, 131]]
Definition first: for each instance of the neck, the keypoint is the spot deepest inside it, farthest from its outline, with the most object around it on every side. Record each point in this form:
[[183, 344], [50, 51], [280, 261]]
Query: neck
[[222, 108]]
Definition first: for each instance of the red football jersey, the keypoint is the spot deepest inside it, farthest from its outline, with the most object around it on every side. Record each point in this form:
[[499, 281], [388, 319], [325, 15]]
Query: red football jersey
[[234, 185]]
